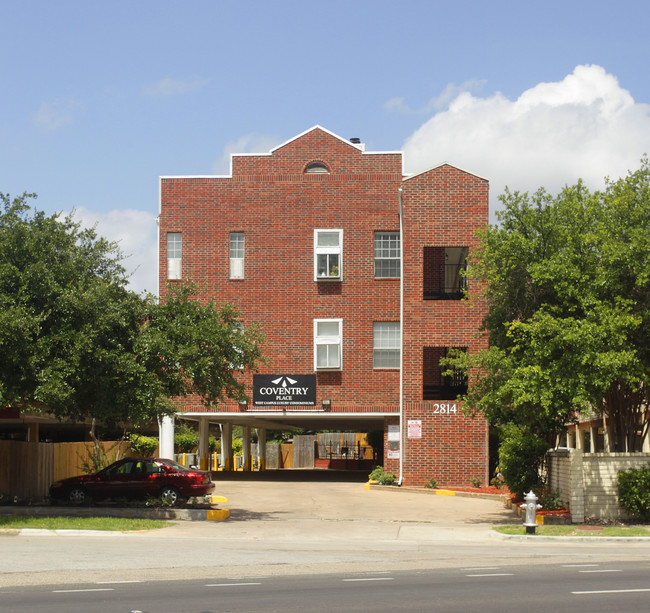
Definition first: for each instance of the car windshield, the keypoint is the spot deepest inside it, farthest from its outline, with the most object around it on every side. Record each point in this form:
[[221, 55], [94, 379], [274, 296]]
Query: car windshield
[[176, 465]]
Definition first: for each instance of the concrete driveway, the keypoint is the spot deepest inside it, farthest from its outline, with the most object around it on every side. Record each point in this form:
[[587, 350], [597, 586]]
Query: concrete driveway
[[317, 507]]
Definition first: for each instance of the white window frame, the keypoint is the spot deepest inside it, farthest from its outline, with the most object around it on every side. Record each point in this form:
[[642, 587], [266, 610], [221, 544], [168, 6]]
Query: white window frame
[[385, 342], [329, 254], [174, 255], [332, 342], [383, 253], [237, 254]]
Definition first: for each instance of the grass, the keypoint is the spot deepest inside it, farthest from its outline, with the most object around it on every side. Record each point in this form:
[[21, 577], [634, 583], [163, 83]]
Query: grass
[[117, 524], [579, 530]]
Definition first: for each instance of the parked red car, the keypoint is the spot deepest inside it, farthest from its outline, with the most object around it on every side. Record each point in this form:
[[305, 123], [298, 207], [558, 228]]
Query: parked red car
[[135, 478]]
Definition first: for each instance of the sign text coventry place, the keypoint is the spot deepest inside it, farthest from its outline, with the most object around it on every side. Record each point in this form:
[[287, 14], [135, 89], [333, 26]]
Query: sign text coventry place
[[284, 390]]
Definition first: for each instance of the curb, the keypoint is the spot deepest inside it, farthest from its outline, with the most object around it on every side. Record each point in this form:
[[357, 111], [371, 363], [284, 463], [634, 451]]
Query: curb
[[372, 485], [204, 514]]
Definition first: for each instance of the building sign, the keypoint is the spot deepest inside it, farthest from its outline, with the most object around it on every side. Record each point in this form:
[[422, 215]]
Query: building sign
[[415, 428], [284, 390], [393, 432]]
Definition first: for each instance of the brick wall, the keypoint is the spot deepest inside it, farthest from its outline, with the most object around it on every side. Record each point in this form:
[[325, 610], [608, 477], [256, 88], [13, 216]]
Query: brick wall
[[277, 206]]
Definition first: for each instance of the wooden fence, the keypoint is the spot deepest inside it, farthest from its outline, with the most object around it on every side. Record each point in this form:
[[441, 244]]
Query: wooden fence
[[28, 469]]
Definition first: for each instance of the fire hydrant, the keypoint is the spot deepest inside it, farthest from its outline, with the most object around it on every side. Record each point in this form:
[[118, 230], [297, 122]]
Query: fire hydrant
[[531, 512]]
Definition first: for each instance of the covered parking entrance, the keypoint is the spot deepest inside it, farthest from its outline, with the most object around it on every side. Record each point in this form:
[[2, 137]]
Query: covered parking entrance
[[258, 423]]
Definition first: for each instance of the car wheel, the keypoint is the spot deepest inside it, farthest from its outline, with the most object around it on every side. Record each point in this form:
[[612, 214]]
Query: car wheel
[[78, 495], [170, 495]]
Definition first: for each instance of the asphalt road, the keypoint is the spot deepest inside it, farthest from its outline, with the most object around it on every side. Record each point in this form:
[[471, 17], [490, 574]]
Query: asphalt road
[[334, 545], [621, 587]]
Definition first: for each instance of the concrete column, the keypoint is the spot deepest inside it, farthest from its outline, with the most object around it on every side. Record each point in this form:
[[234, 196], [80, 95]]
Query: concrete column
[[580, 439], [570, 439], [646, 443], [166, 437], [227, 459], [261, 448], [246, 448], [204, 444], [593, 439], [608, 440], [576, 487]]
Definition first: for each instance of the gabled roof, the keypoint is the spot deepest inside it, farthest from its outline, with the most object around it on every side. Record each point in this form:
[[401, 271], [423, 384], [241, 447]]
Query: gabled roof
[[317, 127], [421, 172]]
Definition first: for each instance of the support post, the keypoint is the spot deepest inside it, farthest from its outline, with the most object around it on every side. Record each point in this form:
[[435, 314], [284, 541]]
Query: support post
[[246, 449], [204, 444], [166, 437], [261, 448], [227, 459]]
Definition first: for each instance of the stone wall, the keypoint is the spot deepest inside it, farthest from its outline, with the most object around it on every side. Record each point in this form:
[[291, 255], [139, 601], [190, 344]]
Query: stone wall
[[588, 481]]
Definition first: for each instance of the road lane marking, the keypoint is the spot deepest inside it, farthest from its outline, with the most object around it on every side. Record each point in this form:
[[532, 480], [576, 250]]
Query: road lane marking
[[370, 579], [578, 565], [482, 568], [231, 584], [602, 570], [644, 589], [118, 582], [93, 589], [492, 575]]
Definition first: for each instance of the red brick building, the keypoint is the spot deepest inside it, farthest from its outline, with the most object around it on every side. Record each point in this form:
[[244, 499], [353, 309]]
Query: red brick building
[[307, 240]]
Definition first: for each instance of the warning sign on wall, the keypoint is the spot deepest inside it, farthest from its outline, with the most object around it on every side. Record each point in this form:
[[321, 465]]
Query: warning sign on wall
[[415, 428]]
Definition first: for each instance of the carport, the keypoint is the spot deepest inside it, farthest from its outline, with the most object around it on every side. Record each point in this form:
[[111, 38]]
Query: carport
[[261, 421]]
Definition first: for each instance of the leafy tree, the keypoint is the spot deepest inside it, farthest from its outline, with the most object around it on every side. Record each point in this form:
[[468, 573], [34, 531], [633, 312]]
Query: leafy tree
[[68, 325], [567, 281], [198, 349], [76, 343]]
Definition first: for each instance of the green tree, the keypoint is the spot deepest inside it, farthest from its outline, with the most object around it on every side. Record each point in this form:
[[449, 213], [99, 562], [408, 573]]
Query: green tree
[[198, 349], [68, 325], [567, 281], [76, 343]]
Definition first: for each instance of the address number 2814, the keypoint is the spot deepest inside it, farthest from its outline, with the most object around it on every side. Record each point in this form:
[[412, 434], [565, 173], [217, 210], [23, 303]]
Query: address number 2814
[[444, 408]]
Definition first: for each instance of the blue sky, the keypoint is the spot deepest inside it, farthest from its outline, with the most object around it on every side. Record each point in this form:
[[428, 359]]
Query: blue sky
[[100, 99]]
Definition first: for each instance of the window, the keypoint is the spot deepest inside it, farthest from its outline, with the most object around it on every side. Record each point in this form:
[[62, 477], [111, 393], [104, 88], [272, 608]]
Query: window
[[327, 344], [174, 255], [387, 262], [327, 254], [236, 255], [385, 344], [437, 386], [317, 168], [237, 328], [443, 277]]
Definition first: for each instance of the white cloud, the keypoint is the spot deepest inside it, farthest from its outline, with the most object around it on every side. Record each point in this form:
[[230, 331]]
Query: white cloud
[[436, 103], [585, 126], [52, 115], [250, 143], [173, 87], [136, 233]]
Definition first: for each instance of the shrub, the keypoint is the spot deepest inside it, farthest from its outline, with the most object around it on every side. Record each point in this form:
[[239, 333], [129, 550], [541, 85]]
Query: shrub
[[431, 483], [387, 479], [521, 455], [549, 499], [496, 482], [186, 442], [143, 445], [214, 445], [475, 481], [381, 477], [634, 491]]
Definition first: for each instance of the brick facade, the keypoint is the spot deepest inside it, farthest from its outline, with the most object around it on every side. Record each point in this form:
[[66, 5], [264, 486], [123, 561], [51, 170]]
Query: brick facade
[[278, 205]]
